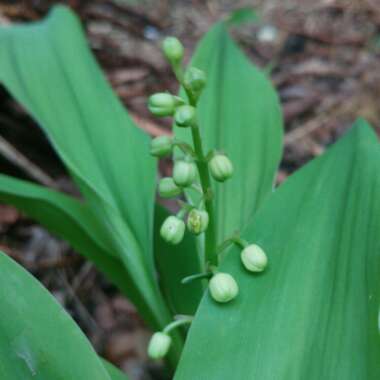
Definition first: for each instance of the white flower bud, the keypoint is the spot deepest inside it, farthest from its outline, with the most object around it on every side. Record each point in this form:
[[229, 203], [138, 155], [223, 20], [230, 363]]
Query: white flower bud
[[184, 173], [167, 188], [159, 345], [254, 258], [220, 167], [161, 146], [195, 80], [223, 287], [197, 221], [173, 49], [185, 116], [164, 104], [172, 230]]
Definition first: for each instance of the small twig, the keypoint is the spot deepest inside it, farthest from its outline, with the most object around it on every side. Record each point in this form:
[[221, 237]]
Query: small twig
[[83, 273], [82, 311], [19, 160], [136, 14]]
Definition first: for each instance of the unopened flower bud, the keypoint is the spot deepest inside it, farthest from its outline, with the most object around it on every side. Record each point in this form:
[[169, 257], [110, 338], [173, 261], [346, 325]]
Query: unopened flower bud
[[197, 221], [161, 146], [167, 188], [172, 230], [163, 104], [223, 287], [254, 258], [220, 167], [184, 173], [173, 49], [159, 345], [195, 80], [185, 116]]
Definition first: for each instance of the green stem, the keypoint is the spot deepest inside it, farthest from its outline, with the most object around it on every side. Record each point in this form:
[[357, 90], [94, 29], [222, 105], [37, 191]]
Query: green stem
[[211, 257], [198, 276], [204, 175], [234, 239], [185, 208], [240, 242], [197, 188], [179, 322], [187, 149], [224, 245]]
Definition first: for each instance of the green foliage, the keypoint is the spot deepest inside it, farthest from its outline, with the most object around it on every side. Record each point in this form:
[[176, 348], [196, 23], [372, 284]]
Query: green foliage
[[233, 118], [173, 264], [49, 69], [242, 16], [38, 338], [73, 221], [314, 313]]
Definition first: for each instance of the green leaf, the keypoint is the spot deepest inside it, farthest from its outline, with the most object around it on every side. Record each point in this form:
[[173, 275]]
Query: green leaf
[[313, 314], [114, 373], [48, 67], [239, 113], [173, 264], [74, 222], [243, 16], [38, 339]]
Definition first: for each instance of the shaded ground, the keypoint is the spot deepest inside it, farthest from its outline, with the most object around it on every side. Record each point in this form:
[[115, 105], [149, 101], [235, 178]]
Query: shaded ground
[[324, 57]]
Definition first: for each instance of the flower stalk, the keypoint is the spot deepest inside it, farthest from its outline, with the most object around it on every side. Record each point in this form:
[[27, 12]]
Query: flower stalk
[[198, 276], [201, 161], [204, 176], [181, 320], [194, 170]]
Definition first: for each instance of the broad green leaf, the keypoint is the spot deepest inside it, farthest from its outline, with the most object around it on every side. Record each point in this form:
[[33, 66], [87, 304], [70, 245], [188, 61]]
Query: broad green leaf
[[48, 67], [173, 264], [74, 222], [243, 16], [114, 373], [38, 339], [239, 113], [314, 314]]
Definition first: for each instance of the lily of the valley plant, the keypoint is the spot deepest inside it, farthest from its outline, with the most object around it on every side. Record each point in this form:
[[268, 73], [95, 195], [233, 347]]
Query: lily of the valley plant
[[242, 281], [194, 171]]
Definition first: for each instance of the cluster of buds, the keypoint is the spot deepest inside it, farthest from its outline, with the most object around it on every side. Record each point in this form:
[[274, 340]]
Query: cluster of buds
[[223, 287], [193, 171], [185, 172]]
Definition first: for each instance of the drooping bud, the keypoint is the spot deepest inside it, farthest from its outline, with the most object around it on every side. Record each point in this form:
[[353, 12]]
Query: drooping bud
[[173, 49], [195, 80], [161, 146], [184, 173], [220, 167], [254, 258], [185, 116], [197, 221], [163, 104], [172, 230], [159, 345], [167, 188], [223, 287]]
